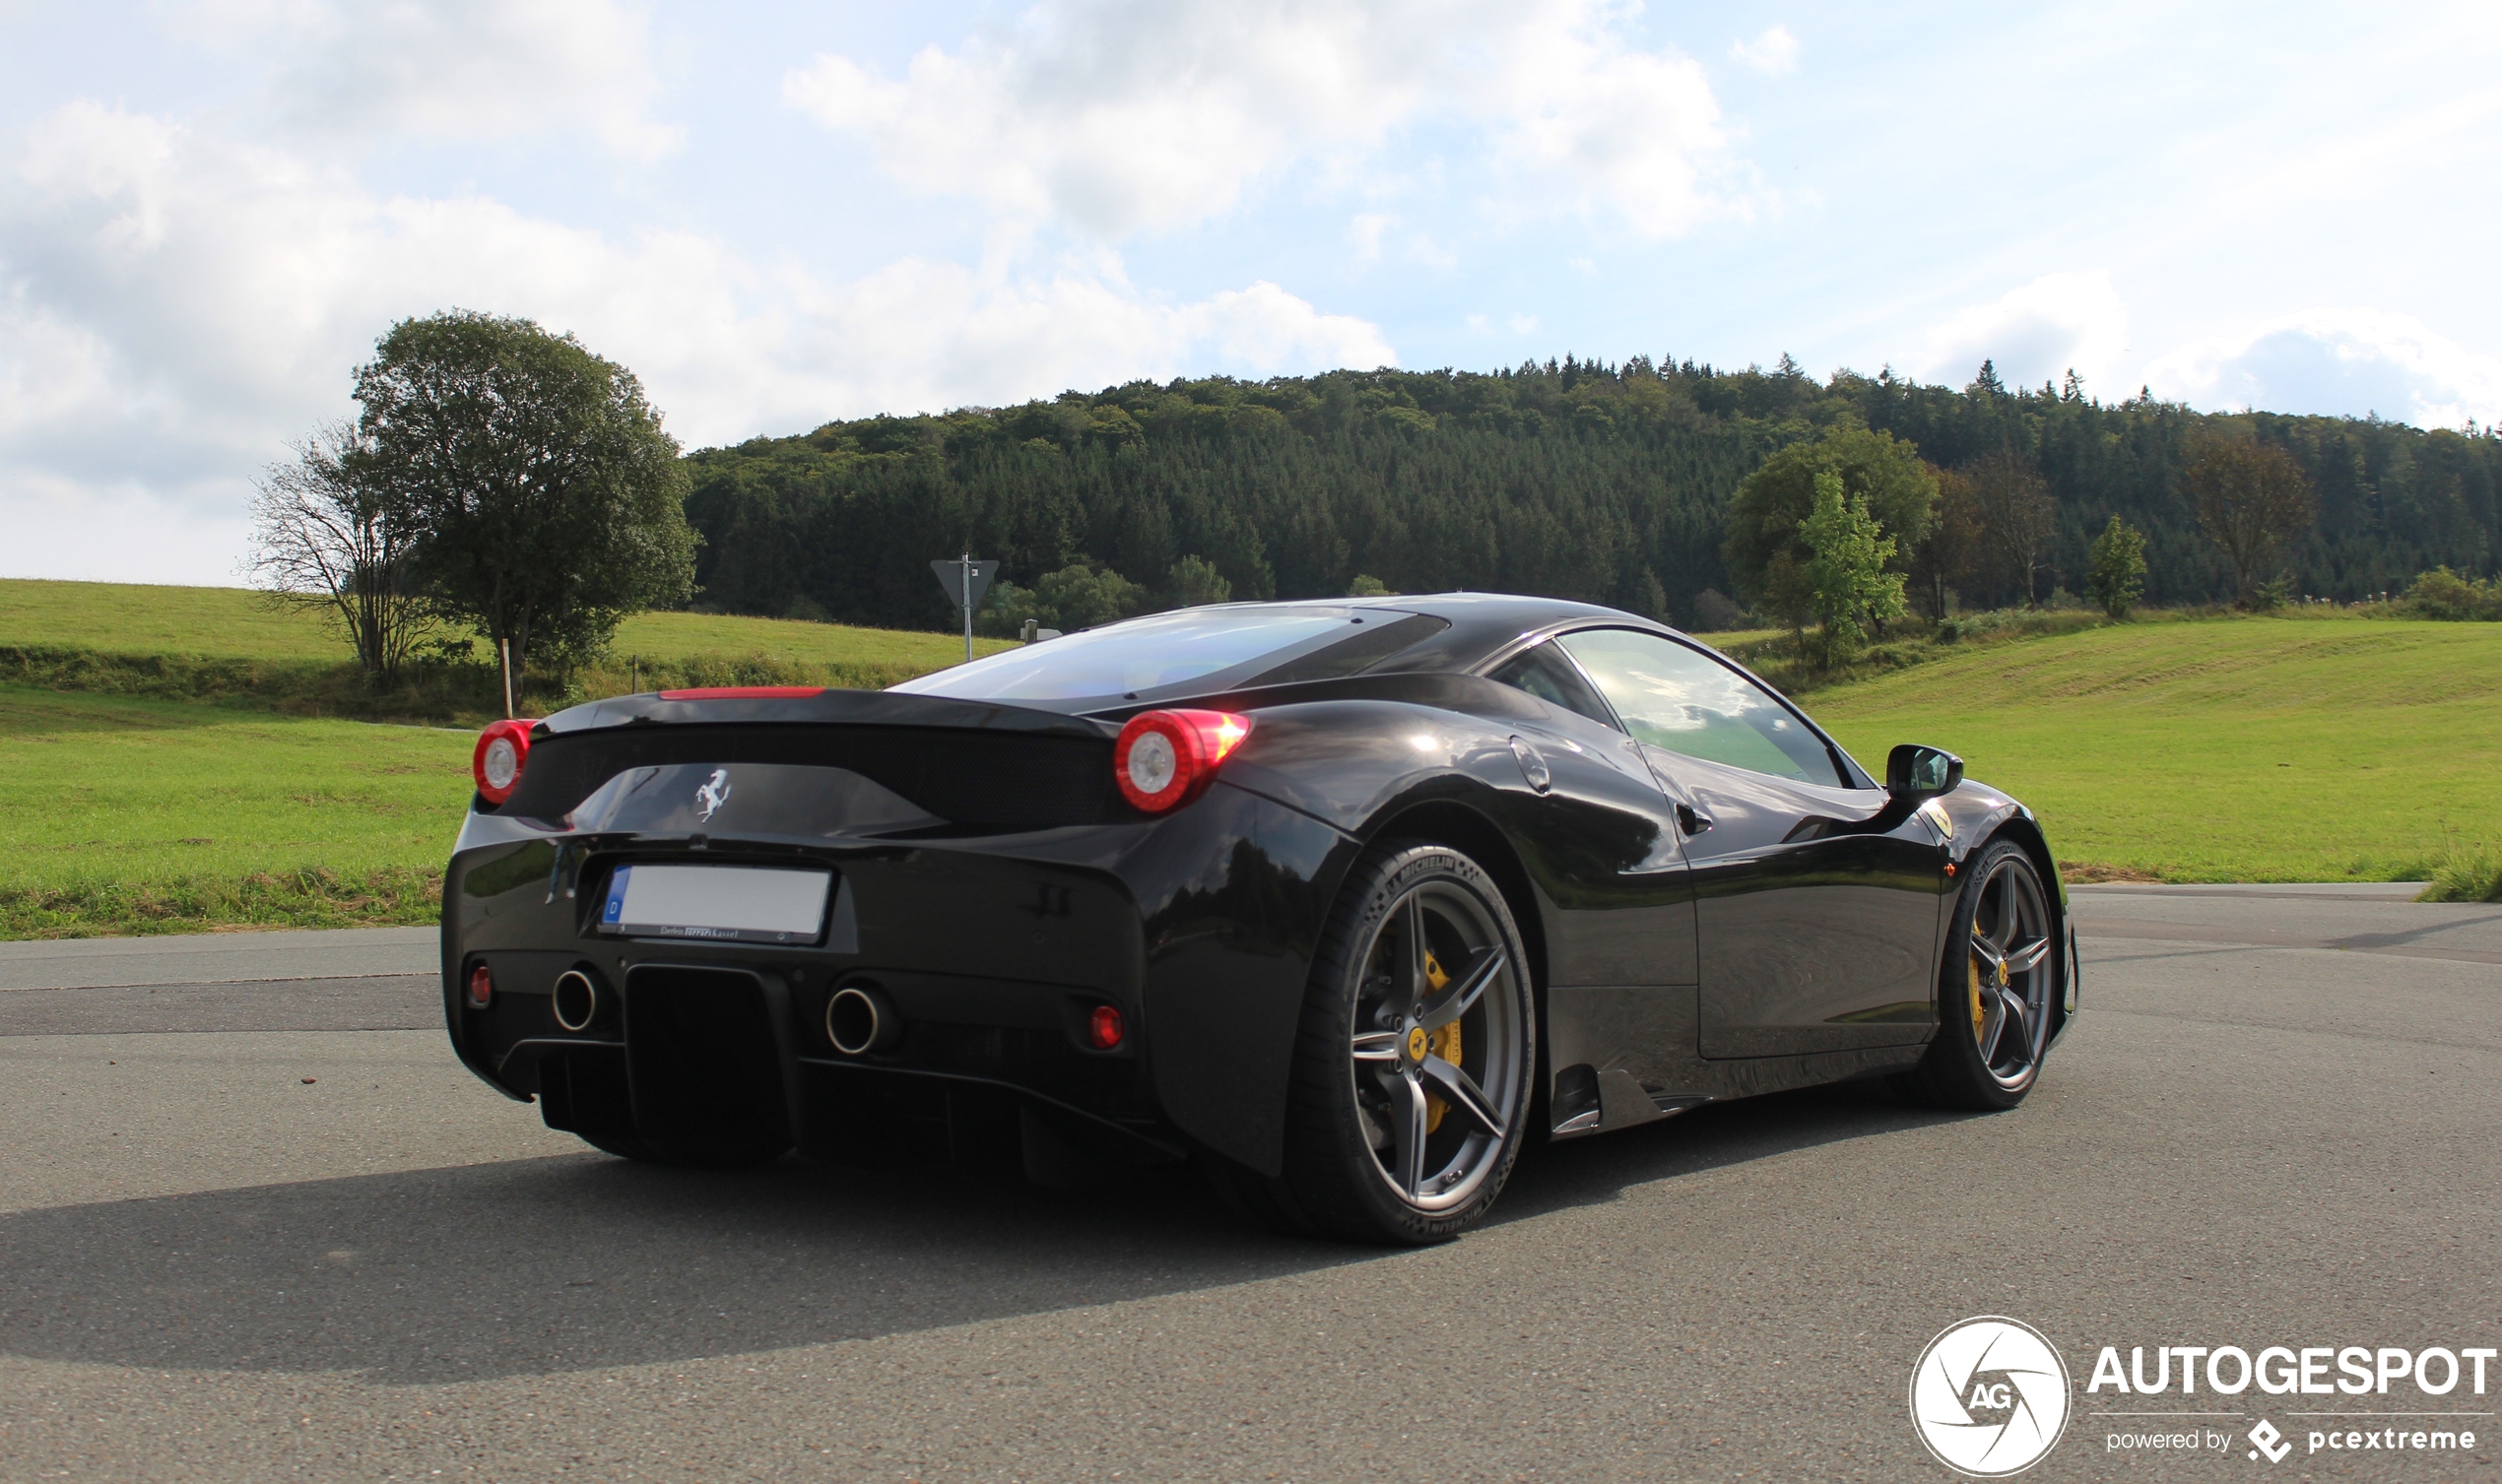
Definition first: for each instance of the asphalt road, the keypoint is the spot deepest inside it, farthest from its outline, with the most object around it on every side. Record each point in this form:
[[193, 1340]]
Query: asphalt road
[[255, 1222]]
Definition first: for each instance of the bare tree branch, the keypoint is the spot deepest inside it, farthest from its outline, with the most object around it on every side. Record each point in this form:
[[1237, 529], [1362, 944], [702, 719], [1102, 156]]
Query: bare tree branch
[[323, 538]]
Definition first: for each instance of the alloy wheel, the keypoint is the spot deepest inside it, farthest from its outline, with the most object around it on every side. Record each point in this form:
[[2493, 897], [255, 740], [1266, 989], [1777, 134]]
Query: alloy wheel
[[2010, 972], [1436, 1052]]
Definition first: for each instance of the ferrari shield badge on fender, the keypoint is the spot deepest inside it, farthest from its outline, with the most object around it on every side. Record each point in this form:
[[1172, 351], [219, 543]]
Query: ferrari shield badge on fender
[[714, 793]]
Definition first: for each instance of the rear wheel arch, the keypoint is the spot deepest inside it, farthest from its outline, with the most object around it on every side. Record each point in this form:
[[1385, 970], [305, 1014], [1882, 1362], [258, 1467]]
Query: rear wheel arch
[[2025, 831], [1444, 821]]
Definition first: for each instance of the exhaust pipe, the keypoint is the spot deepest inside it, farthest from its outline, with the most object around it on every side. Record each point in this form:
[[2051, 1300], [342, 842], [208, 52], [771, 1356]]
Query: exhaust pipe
[[576, 999], [860, 1020]]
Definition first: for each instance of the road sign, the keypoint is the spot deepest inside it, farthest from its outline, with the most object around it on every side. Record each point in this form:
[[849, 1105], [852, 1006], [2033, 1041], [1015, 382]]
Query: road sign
[[953, 572], [965, 580]]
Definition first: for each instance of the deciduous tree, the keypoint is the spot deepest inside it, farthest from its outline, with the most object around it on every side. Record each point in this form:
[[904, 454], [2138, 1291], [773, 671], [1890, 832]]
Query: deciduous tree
[[2116, 568], [1952, 553], [2016, 516], [2251, 500], [1845, 569], [326, 536], [1764, 518], [546, 500]]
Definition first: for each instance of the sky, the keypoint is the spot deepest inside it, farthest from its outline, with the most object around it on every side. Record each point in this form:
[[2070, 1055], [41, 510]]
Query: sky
[[778, 214]]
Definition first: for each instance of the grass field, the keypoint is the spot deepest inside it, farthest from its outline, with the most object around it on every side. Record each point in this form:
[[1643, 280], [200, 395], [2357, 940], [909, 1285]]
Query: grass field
[[227, 644], [237, 623], [2291, 748], [2266, 750], [120, 815]]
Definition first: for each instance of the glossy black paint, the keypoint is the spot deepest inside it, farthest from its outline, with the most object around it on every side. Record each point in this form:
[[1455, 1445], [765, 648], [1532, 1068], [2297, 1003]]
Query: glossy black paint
[[993, 888]]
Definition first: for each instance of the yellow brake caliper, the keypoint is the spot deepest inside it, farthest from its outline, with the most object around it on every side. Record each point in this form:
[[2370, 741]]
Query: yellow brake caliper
[[1977, 1017], [1445, 1044]]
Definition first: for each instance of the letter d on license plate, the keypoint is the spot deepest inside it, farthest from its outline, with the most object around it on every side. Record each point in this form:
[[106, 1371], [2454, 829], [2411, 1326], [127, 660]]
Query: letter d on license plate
[[742, 904]]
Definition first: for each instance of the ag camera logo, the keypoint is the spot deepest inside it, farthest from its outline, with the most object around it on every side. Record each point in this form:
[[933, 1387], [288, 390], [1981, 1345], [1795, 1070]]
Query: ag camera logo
[[1989, 1396]]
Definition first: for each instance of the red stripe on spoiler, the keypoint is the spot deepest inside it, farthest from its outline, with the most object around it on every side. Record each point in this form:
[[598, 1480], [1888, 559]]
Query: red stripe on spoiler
[[742, 692]]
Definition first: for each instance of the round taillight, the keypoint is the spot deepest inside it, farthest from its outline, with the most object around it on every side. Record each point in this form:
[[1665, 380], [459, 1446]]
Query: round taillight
[[482, 988], [1103, 1029], [502, 749], [1164, 759]]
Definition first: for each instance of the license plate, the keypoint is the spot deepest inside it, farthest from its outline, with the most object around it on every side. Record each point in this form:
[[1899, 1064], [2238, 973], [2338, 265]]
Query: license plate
[[740, 904]]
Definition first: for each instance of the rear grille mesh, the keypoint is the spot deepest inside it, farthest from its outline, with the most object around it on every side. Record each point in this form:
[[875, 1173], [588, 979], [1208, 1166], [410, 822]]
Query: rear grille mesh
[[966, 778]]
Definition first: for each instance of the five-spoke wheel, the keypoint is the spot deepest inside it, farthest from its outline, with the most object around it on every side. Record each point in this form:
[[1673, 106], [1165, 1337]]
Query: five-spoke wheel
[[2010, 971], [1438, 1069], [1998, 994], [1411, 1072]]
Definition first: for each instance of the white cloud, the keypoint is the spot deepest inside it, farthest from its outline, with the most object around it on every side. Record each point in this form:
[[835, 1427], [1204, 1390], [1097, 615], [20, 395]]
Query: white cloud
[[1772, 54], [1364, 232], [1118, 116], [453, 69], [2057, 322], [175, 307], [2337, 361]]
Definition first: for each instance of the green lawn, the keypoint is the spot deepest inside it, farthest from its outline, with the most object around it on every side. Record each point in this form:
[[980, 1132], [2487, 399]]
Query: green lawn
[[120, 814], [2293, 749]]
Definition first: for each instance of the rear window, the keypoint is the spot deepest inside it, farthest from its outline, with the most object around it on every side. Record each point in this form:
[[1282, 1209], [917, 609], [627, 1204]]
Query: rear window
[[1199, 646]]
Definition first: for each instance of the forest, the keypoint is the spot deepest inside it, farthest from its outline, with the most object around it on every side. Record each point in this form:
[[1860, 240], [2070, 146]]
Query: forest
[[1585, 480]]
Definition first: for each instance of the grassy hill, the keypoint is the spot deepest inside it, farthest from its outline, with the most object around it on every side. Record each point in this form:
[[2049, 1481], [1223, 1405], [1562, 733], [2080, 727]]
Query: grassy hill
[[2288, 748], [235, 645]]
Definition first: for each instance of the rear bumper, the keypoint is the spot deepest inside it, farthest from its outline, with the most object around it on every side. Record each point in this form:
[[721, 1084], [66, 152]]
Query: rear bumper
[[993, 951]]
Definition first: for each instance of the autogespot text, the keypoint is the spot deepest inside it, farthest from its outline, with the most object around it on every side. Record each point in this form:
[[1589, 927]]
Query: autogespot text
[[2435, 1374]]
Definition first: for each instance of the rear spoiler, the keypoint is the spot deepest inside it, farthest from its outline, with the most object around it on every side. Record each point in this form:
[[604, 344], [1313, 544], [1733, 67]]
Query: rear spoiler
[[803, 706]]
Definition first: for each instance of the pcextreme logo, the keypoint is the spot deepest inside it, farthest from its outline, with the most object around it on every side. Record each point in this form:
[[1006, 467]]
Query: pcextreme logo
[[1989, 1396]]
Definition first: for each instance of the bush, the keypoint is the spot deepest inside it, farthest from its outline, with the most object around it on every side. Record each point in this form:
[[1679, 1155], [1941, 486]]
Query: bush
[[2466, 875], [2443, 594], [1714, 613]]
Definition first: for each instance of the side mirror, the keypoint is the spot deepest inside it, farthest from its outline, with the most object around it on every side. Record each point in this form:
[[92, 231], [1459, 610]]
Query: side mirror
[[1914, 772]]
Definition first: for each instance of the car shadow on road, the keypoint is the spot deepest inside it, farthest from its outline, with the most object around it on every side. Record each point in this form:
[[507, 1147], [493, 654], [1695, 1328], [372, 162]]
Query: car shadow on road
[[580, 1263], [1592, 1171]]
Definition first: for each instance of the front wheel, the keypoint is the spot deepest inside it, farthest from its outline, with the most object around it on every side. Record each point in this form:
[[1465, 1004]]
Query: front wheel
[[1996, 992], [1413, 1066]]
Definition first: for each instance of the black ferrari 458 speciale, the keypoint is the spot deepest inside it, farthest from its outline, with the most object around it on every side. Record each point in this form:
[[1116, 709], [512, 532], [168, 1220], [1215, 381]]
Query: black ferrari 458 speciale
[[1343, 901]]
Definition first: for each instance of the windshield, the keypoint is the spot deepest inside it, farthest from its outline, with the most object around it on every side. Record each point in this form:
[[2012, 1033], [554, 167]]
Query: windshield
[[1148, 654]]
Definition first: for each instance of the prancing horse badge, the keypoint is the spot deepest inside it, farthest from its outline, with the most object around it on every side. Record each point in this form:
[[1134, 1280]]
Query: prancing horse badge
[[714, 794]]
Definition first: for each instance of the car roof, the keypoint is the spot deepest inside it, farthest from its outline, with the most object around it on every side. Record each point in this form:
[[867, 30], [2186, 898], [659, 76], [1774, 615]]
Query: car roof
[[1483, 624]]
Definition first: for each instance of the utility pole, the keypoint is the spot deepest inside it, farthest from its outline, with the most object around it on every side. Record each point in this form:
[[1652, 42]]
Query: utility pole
[[967, 589], [505, 647]]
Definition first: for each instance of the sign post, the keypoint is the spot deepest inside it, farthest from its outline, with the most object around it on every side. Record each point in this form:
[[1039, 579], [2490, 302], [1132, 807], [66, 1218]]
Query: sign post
[[965, 580]]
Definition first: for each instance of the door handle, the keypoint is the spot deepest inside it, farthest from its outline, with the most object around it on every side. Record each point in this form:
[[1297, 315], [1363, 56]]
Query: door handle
[[1691, 822]]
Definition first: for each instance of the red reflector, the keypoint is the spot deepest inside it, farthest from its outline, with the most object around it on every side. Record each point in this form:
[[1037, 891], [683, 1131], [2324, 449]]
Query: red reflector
[[1164, 759], [482, 988], [742, 694], [1102, 1028], [502, 751]]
